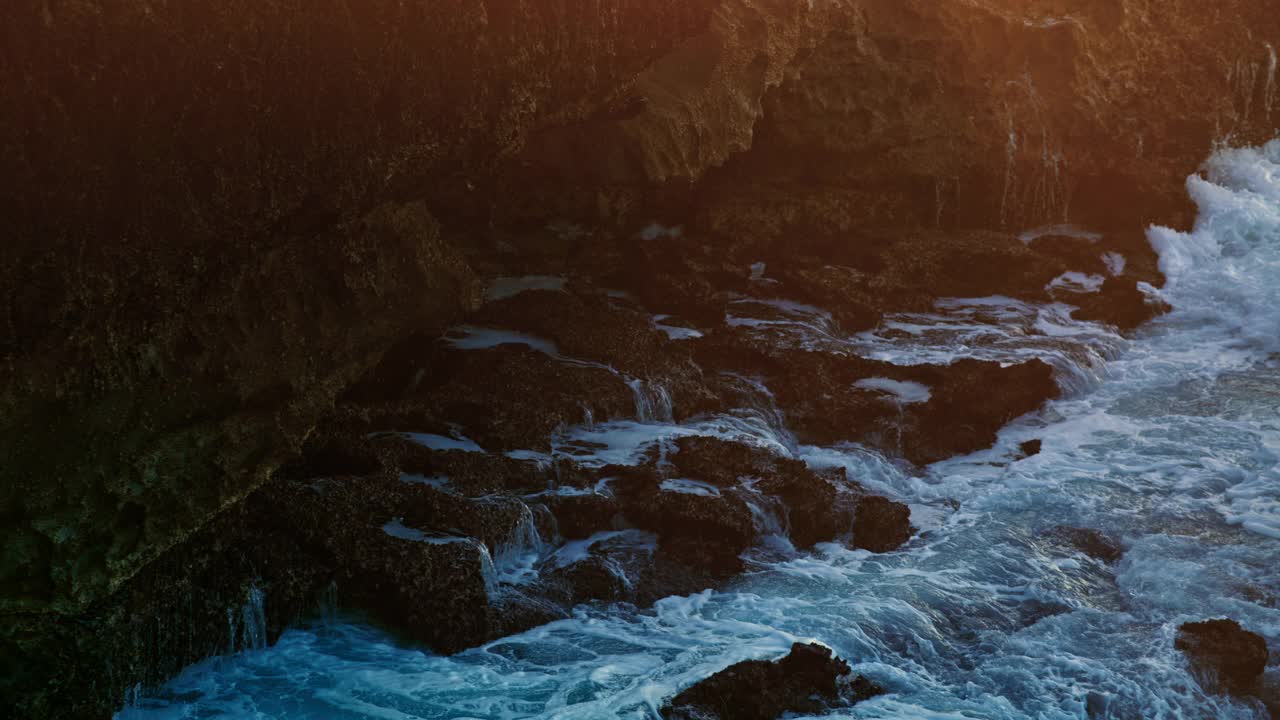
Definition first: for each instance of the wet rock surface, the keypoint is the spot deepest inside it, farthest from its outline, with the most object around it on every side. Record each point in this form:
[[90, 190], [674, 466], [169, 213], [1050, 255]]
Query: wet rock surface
[[1120, 302], [807, 680], [1226, 656]]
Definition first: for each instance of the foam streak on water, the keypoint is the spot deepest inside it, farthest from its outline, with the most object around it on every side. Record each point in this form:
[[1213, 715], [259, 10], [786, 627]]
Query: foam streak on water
[[1174, 448]]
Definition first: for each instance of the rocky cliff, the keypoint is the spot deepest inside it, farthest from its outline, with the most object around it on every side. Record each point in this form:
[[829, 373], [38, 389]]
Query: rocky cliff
[[215, 222], [220, 218]]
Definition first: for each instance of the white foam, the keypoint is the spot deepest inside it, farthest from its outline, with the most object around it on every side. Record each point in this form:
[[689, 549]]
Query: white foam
[[577, 550], [903, 391], [1115, 262], [516, 558], [1077, 282], [1062, 229], [690, 487], [469, 337], [675, 332], [441, 442], [397, 529], [1226, 272]]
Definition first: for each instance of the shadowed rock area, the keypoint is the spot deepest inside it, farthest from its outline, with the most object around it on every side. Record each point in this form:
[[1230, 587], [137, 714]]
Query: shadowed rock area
[[808, 680]]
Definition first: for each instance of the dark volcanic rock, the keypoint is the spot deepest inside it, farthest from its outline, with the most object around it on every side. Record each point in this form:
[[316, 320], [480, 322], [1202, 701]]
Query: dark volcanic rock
[[1118, 303], [412, 556], [816, 511], [595, 327], [509, 397], [433, 592], [971, 400], [820, 506], [192, 275], [595, 577], [581, 515], [881, 525], [807, 680], [1030, 448], [1224, 655], [198, 264], [855, 298], [681, 276], [704, 531]]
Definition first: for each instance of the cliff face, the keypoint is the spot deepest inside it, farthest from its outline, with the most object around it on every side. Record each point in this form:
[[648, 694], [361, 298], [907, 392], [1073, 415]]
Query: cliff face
[[219, 217], [1009, 115], [980, 114], [213, 224]]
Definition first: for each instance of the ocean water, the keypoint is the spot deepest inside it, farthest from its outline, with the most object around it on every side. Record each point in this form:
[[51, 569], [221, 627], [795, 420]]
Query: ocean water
[[1168, 441]]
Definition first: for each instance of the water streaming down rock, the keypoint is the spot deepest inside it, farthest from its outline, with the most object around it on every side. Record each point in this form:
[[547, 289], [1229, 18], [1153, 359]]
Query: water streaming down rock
[[1175, 447], [253, 617], [514, 559], [653, 402], [247, 624], [652, 399], [769, 514]]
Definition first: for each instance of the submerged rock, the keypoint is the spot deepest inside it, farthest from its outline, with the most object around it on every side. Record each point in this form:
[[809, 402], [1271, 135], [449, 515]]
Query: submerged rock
[[697, 525], [1088, 541], [1223, 655], [808, 680]]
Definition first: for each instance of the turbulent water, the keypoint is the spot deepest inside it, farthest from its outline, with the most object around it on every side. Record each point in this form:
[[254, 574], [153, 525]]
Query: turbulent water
[[1169, 440]]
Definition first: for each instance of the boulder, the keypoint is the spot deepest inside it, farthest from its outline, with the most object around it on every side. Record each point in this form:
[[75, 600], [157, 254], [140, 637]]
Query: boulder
[[581, 515], [597, 328], [819, 506], [808, 680], [508, 397], [880, 524], [971, 401], [1223, 655]]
